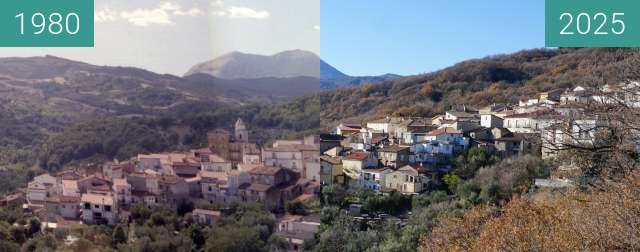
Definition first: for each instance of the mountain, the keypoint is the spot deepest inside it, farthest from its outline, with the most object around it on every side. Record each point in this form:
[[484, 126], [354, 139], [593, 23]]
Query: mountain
[[237, 65], [287, 64], [328, 72], [479, 82], [330, 77]]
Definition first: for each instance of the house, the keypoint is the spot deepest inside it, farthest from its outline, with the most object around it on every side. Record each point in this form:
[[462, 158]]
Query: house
[[272, 186], [70, 188], [408, 179], [432, 152], [93, 182], [379, 125], [512, 144], [297, 229], [490, 121], [577, 95], [331, 170], [329, 141], [451, 135], [172, 189], [212, 162], [70, 207], [212, 184], [205, 217], [355, 162], [458, 115], [37, 193], [373, 179], [520, 123], [551, 96], [312, 170], [495, 108], [291, 155], [122, 191], [98, 208], [394, 156], [347, 128]]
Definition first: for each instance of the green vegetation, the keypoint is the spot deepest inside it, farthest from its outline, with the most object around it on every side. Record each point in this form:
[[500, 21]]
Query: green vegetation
[[246, 227], [493, 183]]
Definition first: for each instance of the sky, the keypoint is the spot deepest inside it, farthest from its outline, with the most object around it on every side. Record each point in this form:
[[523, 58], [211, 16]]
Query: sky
[[171, 36], [373, 37]]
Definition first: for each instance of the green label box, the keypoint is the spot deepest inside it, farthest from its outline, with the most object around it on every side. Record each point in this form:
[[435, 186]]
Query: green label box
[[46, 23], [592, 23]]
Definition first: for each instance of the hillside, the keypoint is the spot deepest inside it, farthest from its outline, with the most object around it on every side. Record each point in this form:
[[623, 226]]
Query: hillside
[[51, 101], [479, 82]]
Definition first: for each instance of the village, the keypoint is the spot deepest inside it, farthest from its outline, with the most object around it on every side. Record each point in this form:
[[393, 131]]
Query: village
[[230, 170], [410, 155], [407, 155]]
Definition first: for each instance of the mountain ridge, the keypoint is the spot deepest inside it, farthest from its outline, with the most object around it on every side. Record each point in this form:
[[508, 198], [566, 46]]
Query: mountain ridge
[[285, 64]]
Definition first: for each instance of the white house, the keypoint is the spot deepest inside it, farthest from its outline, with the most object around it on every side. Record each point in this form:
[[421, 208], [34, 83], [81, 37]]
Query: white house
[[98, 208], [491, 121], [374, 178]]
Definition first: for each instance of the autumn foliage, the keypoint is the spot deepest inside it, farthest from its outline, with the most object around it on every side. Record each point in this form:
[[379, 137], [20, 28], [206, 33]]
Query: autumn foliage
[[606, 219]]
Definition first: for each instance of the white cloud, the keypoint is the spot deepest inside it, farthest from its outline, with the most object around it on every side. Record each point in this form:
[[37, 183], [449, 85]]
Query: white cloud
[[244, 12], [105, 15], [146, 17], [237, 12], [161, 15], [316, 27]]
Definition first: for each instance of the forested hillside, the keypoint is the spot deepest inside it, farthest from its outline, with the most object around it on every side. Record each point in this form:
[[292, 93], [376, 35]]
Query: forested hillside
[[55, 111], [494, 79]]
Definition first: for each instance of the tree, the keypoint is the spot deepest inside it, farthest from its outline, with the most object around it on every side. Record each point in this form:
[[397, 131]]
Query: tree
[[18, 234], [334, 195], [234, 239], [451, 180], [195, 233], [34, 227], [119, 235]]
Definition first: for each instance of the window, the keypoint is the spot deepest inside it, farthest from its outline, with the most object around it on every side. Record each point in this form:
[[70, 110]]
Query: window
[[107, 208], [87, 206], [96, 206]]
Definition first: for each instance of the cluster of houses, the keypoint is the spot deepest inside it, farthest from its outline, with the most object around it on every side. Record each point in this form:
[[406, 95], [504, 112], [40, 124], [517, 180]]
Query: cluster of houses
[[230, 170], [405, 154]]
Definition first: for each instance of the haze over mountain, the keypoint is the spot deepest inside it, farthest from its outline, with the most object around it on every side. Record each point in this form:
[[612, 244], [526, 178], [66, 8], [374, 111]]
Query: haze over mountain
[[237, 65], [287, 64]]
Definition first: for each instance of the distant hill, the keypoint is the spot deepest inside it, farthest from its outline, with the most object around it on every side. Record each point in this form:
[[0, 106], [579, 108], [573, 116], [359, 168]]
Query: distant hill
[[478, 82], [237, 65], [287, 64], [334, 78]]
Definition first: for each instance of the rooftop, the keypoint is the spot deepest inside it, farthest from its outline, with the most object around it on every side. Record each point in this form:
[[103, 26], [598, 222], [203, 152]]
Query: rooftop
[[357, 156], [95, 198], [394, 148], [442, 131], [206, 212]]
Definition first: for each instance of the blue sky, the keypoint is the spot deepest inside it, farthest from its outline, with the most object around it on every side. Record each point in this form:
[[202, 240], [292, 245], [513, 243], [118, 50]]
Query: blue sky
[[371, 37]]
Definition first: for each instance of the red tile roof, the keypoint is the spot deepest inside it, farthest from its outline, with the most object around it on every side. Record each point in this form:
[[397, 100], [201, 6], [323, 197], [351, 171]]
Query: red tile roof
[[357, 156]]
